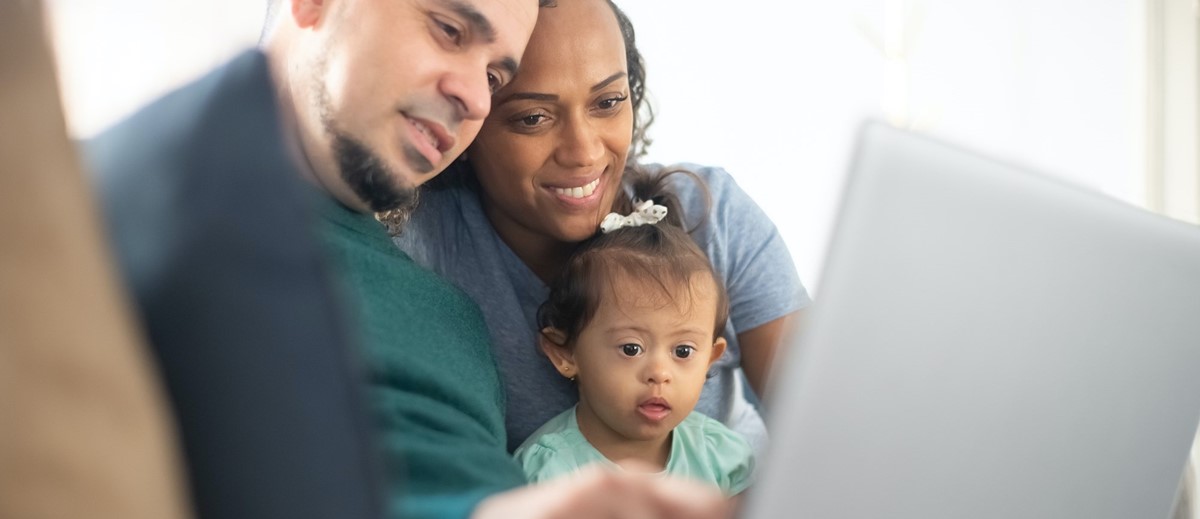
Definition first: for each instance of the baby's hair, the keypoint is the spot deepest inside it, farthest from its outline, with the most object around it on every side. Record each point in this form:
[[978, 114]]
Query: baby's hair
[[663, 255]]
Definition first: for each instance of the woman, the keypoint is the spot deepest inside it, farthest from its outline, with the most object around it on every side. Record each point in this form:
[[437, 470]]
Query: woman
[[546, 168]]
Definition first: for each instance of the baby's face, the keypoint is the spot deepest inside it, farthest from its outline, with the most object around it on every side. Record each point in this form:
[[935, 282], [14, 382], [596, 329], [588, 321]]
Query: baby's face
[[643, 358]]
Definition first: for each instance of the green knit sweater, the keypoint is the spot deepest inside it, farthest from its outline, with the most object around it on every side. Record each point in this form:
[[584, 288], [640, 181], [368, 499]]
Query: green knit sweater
[[434, 388]]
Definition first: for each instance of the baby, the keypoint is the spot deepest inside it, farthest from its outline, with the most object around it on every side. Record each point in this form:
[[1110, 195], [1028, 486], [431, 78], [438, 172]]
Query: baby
[[635, 318]]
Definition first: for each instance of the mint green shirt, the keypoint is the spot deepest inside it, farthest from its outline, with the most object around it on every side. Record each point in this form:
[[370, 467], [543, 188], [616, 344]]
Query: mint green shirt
[[701, 448]]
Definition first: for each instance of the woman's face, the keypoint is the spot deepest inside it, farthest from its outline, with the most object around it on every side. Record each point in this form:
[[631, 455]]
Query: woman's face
[[551, 153]]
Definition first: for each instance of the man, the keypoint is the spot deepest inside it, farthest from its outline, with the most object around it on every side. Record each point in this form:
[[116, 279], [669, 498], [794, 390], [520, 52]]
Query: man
[[374, 98]]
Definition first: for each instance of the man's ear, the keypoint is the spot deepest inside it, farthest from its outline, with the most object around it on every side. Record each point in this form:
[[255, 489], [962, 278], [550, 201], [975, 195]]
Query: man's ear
[[306, 13], [718, 349], [553, 342]]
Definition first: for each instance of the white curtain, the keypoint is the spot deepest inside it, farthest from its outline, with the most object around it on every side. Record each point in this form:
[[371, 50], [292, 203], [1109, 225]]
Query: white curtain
[[1172, 108]]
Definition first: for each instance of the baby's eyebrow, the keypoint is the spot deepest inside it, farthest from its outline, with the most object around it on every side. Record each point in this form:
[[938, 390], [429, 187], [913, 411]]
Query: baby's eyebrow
[[626, 328]]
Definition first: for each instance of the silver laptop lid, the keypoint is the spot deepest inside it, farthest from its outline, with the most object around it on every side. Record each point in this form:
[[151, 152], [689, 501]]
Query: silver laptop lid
[[987, 343]]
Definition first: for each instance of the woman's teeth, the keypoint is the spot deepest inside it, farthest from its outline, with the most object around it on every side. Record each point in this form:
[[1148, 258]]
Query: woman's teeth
[[578, 192]]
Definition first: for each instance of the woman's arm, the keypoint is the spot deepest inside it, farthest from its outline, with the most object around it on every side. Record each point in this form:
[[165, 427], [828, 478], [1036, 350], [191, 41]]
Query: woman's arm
[[759, 345]]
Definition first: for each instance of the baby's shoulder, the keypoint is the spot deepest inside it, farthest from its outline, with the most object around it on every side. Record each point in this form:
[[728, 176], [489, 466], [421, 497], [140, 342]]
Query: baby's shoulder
[[712, 434], [716, 453], [554, 451]]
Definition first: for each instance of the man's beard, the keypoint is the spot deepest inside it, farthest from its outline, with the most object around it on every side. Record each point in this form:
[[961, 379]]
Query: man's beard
[[371, 180]]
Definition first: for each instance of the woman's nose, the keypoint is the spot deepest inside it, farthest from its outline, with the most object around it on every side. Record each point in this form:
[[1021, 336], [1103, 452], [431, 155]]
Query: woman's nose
[[581, 145]]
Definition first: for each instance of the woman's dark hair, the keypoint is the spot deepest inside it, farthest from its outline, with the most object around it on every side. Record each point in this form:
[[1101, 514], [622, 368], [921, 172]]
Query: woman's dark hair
[[661, 255], [643, 113], [459, 173]]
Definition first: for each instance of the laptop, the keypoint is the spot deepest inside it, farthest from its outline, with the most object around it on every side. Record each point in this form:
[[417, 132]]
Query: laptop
[[988, 343]]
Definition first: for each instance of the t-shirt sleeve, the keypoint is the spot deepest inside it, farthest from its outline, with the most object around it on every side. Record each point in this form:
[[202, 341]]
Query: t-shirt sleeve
[[732, 456], [542, 463], [746, 250]]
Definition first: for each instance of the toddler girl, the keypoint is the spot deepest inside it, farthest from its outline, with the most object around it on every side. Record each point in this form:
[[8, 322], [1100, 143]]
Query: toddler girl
[[635, 318]]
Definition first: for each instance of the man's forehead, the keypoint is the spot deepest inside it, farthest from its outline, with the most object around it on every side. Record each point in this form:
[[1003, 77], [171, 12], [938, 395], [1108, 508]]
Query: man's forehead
[[520, 15], [506, 24]]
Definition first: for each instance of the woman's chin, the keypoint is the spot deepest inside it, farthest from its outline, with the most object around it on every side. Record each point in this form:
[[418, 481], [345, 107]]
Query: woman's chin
[[577, 233]]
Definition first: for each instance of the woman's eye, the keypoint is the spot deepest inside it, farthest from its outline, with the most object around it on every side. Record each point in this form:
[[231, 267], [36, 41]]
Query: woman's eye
[[531, 120], [684, 352], [612, 102], [631, 350]]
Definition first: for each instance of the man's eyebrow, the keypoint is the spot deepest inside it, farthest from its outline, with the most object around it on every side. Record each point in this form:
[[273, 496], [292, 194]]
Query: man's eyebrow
[[608, 80], [482, 26], [509, 65], [478, 22]]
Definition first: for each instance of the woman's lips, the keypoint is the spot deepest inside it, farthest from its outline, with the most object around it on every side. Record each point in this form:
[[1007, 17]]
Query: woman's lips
[[577, 192], [584, 194]]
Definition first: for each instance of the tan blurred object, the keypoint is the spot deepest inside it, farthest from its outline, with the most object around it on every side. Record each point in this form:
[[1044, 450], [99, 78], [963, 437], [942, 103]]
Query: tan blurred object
[[83, 425], [1185, 505]]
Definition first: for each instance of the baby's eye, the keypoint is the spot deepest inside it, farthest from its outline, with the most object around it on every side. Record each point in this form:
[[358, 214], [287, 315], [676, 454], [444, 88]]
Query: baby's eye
[[631, 350], [684, 352]]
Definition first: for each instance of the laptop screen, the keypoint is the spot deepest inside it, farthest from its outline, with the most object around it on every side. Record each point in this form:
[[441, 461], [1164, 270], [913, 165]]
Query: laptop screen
[[988, 342]]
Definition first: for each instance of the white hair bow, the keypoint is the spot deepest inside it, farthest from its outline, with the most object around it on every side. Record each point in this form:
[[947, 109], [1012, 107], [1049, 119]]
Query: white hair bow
[[644, 212]]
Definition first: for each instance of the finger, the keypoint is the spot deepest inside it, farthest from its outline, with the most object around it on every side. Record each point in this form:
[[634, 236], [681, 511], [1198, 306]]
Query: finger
[[678, 498]]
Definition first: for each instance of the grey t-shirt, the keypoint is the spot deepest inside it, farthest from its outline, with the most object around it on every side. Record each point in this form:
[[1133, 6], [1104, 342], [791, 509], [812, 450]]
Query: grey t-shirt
[[450, 234]]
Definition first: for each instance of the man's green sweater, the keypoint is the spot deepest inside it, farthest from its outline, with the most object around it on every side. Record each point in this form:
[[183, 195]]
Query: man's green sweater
[[434, 388]]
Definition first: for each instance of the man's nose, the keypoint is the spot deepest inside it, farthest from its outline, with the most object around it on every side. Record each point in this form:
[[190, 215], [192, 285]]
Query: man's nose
[[470, 92]]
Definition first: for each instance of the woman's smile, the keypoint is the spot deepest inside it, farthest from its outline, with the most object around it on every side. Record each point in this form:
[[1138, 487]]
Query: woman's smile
[[577, 193]]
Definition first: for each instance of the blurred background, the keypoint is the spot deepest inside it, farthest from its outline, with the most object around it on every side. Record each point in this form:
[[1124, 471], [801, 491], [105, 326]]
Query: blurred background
[[1102, 93]]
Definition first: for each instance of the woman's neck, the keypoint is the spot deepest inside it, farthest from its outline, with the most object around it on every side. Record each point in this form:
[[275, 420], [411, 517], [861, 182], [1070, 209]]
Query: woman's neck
[[542, 254], [654, 452]]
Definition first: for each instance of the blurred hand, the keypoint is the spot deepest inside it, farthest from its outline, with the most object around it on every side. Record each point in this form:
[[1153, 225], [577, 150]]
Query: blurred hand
[[595, 493]]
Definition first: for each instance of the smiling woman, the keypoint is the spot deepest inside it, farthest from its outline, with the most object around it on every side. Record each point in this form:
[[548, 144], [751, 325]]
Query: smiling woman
[[1053, 83], [556, 154]]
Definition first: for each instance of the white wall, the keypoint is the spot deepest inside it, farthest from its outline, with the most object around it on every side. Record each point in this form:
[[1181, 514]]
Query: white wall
[[770, 90], [116, 55], [774, 90]]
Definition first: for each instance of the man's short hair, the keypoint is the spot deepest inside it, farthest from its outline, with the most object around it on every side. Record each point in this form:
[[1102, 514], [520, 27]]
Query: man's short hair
[[273, 7]]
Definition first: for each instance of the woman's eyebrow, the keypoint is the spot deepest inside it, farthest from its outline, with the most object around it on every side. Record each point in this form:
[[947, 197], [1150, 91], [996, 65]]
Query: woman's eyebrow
[[534, 96], [608, 80]]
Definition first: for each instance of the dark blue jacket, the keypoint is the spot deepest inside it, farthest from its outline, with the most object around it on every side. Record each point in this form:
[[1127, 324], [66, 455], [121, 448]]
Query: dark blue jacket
[[208, 219]]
